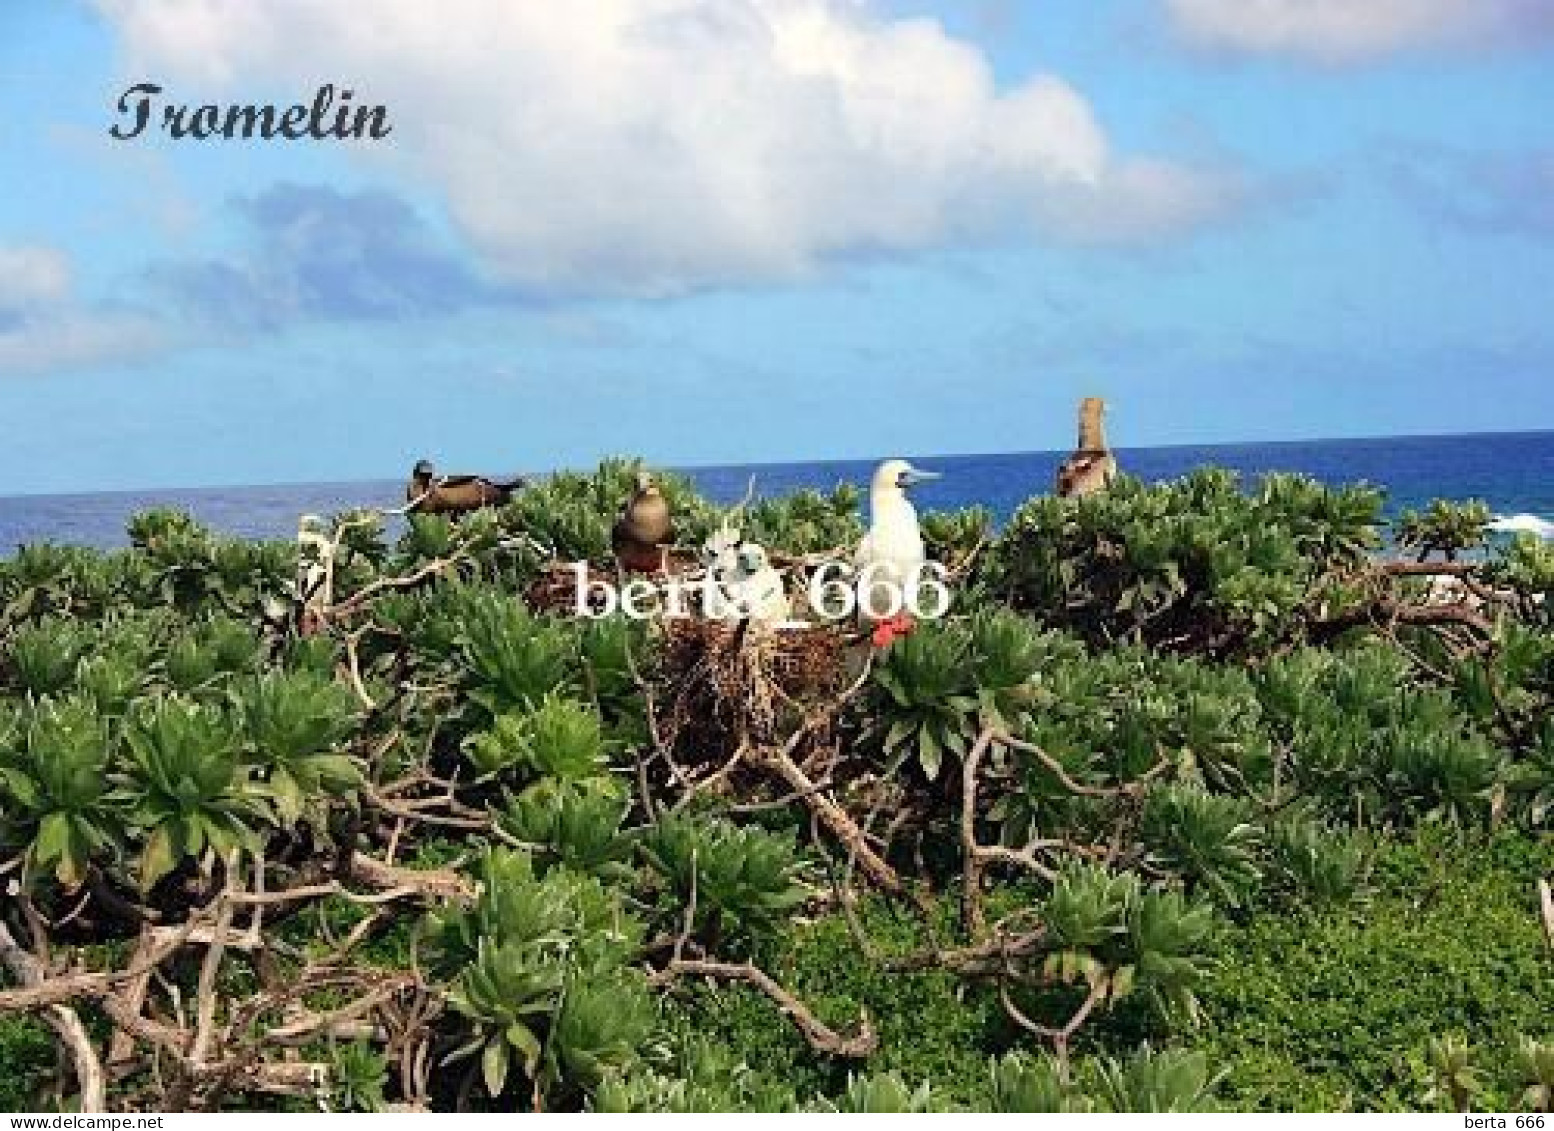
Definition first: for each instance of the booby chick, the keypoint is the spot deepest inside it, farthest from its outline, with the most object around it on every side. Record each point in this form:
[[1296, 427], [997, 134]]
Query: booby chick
[[315, 574], [890, 558], [430, 493], [1092, 467], [746, 584], [644, 532]]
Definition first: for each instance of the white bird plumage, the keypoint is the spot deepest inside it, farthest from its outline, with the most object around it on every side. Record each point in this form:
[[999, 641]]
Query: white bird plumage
[[315, 581], [315, 563], [746, 584], [891, 555]]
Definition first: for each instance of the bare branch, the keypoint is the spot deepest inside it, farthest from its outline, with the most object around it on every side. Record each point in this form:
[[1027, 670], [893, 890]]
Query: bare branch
[[63, 1020], [821, 1037]]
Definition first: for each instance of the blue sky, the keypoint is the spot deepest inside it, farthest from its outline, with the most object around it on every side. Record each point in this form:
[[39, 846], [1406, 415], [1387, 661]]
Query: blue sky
[[746, 230]]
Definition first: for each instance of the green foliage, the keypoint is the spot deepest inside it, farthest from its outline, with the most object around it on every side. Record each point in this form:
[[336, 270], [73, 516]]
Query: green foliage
[[515, 658], [1168, 936], [1310, 863], [1457, 1081], [556, 739], [1444, 528], [1149, 1081], [540, 976], [295, 721], [55, 790], [953, 536], [43, 656], [607, 648], [937, 687], [1189, 565], [1206, 838], [1333, 1010], [1107, 930], [882, 1093], [1526, 566], [185, 788], [578, 826], [357, 1075], [1534, 1067], [29, 1055], [742, 880], [692, 1075], [807, 521], [111, 682], [1295, 886], [604, 1024], [1368, 737], [567, 516], [210, 651], [1021, 1083], [928, 703]]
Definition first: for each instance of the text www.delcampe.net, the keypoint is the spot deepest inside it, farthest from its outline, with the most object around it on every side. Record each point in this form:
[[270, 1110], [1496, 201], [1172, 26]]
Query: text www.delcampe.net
[[84, 1122]]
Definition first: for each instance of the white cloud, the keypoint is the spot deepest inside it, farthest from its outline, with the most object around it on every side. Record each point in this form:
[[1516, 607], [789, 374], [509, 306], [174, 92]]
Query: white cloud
[[43, 329], [75, 339], [1345, 31], [652, 146], [31, 275]]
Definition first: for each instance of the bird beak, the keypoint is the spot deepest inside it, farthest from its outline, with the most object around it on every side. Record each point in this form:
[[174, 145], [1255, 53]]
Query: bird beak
[[916, 475]]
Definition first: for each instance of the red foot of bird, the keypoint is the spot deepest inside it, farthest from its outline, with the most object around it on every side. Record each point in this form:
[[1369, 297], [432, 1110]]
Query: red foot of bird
[[887, 631]]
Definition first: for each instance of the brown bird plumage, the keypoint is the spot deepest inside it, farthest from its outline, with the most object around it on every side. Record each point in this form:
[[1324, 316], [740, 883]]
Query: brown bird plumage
[[1092, 467], [645, 529], [430, 493]]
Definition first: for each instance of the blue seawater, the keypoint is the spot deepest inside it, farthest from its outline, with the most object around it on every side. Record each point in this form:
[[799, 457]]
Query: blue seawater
[[1512, 472]]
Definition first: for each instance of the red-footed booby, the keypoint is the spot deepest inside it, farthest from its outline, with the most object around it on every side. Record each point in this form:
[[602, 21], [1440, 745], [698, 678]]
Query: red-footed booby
[[890, 558]]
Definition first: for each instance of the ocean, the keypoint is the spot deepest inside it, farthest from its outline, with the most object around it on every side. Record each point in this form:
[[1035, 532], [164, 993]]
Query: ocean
[[1512, 472]]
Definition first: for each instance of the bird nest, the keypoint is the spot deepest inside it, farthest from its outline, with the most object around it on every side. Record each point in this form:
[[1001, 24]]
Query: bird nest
[[743, 685]]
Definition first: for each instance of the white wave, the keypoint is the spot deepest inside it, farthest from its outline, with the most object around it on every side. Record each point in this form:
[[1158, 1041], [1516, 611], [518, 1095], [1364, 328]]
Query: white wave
[[1523, 524]]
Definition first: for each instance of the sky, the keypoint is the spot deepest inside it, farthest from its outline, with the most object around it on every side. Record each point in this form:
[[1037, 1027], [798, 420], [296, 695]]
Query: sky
[[729, 231]]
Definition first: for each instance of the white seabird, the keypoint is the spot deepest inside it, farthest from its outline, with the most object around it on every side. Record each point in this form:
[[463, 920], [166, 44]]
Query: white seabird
[[890, 558], [745, 583], [315, 582], [756, 587]]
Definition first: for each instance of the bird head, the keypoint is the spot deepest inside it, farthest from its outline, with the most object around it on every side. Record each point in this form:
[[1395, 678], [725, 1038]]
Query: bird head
[[752, 558], [718, 553], [1092, 431], [422, 469], [898, 475]]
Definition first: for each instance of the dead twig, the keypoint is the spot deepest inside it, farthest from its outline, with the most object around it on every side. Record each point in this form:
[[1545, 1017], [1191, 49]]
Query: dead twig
[[821, 1037], [67, 1026]]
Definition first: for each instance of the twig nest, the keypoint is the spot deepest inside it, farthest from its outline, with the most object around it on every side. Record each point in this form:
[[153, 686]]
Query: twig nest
[[732, 684], [802, 661]]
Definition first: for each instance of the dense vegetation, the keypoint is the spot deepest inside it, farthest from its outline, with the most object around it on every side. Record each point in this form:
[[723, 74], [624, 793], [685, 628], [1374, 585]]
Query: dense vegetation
[[1203, 795]]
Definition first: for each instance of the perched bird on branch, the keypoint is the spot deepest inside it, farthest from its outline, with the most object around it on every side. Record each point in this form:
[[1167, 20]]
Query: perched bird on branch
[[644, 532], [890, 558], [430, 493], [314, 586], [1092, 467]]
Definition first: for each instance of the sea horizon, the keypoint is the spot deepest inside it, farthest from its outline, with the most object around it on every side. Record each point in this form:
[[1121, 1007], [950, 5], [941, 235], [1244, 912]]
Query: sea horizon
[[1513, 472], [715, 465]]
